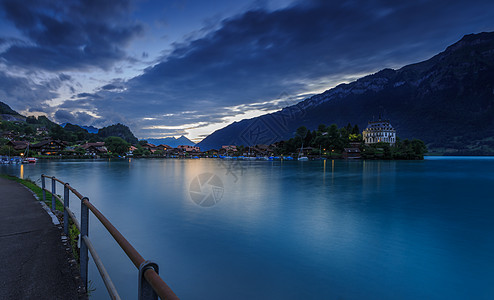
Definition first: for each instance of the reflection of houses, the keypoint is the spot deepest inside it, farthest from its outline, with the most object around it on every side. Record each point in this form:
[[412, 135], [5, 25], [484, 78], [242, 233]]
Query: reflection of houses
[[49, 147], [18, 145], [95, 148], [379, 131], [351, 153], [188, 148]]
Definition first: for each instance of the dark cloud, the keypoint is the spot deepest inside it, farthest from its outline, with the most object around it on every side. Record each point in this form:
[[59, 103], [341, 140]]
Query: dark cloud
[[258, 55], [239, 64], [111, 86], [88, 95], [69, 35], [64, 77], [80, 118], [21, 93]]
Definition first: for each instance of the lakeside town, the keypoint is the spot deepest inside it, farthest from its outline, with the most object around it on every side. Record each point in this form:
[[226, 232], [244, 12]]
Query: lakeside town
[[377, 141]]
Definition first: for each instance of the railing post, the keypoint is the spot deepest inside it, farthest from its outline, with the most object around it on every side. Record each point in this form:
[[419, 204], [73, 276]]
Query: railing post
[[53, 192], [43, 186], [84, 232], [146, 292], [65, 211]]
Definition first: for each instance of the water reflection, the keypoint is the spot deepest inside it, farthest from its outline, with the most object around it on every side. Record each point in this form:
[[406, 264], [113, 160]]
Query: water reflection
[[285, 230]]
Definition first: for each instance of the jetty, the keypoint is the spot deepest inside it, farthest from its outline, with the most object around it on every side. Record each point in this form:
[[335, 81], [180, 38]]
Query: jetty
[[34, 258]]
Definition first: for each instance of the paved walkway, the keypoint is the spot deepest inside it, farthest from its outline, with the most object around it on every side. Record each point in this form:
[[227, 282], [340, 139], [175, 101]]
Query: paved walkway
[[34, 262]]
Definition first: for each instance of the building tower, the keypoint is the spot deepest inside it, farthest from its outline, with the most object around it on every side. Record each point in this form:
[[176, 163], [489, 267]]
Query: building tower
[[379, 131]]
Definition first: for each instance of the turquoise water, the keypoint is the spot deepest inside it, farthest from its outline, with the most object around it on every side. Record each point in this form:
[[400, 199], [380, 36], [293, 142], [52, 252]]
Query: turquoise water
[[294, 230]]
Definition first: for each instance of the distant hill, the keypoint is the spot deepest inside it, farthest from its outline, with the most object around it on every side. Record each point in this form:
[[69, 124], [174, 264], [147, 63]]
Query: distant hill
[[66, 131], [6, 110], [447, 101], [172, 141], [119, 130], [90, 129], [8, 114]]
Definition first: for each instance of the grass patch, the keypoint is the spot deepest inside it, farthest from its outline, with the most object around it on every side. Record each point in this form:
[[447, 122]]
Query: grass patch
[[73, 238]]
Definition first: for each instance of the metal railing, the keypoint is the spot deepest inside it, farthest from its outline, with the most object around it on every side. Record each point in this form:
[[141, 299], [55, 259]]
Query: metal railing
[[150, 284]]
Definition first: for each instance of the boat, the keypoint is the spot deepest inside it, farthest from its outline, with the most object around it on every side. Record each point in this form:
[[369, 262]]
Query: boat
[[301, 156], [28, 160]]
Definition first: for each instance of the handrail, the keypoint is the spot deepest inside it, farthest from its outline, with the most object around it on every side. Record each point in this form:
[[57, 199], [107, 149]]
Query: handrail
[[150, 288]]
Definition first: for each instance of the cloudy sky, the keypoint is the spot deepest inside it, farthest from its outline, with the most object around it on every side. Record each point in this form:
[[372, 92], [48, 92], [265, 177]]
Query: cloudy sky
[[167, 68]]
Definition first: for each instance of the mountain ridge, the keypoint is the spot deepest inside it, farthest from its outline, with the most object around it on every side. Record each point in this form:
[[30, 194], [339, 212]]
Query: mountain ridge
[[90, 129], [446, 100], [172, 141]]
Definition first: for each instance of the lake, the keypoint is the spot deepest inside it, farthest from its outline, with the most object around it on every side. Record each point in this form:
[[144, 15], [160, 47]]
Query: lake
[[328, 229]]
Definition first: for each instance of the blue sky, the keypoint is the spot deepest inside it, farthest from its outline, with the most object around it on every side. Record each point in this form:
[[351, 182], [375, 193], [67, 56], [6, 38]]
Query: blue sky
[[167, 68]]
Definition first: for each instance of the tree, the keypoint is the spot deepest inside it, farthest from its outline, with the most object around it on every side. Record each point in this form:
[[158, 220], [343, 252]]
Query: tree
[[321, 128], [31, 120], [116, 145], [301, 132], [119, 130]]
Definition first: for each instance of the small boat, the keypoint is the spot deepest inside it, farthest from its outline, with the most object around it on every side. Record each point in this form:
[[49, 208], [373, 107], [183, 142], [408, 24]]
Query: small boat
[[30, 160], [301, 157]]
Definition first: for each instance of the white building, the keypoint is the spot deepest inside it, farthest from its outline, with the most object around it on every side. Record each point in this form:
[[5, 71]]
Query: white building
[[379, 131]]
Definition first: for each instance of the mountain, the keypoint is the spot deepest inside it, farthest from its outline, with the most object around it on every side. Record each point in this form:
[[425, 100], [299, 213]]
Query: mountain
[[90, 129], [172, 141], [447, 101], [8, 114], [118, 130]]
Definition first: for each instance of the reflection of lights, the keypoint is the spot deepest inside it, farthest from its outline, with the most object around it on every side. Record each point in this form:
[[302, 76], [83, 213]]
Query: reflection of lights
[[324, 171], [332, 171], [22, 172]]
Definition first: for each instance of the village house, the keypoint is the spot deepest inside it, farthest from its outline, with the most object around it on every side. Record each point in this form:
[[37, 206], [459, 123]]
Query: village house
[[151, 147], [41, 130], [164, 147], [227, 148], [94, 149], [379, 131], [351, 153], [188, 148], [49, 147], [18, 145], [9, 135]]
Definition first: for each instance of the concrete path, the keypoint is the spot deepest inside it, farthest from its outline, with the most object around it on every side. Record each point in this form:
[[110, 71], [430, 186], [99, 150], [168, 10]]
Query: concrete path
[[34, 263]]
